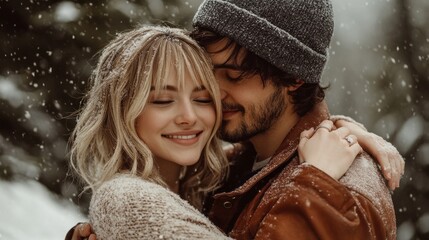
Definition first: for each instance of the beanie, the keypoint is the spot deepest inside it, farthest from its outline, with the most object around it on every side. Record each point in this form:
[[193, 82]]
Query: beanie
[[292, 35]]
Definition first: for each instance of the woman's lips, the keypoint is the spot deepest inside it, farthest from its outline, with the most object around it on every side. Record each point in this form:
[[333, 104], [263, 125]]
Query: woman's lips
[[187, 138]]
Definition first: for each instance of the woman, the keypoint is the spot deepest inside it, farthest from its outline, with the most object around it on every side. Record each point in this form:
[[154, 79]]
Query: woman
[[151, 115], [147, 134]]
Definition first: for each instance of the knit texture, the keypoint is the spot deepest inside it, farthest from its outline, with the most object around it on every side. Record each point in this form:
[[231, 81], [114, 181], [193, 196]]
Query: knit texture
[[335, 118], [293, 35], [128, 207]]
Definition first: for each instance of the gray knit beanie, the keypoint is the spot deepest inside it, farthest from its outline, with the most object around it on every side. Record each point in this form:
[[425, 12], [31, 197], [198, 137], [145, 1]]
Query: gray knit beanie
[[293, 35]]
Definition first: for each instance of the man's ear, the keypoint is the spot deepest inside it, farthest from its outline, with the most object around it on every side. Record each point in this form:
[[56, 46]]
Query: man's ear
[[294, 87]]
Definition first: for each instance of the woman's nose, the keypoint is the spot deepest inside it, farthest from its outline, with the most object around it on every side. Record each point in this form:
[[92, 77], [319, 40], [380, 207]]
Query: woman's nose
[[186, 115]]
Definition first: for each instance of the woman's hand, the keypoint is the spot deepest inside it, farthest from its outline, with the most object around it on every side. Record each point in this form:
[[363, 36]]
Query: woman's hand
[[81, 231], [331, 151], [391, 162]]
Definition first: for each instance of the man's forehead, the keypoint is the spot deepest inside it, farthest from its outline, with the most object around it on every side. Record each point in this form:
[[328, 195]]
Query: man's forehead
[[220, 44], [220, 54], [227, 66]]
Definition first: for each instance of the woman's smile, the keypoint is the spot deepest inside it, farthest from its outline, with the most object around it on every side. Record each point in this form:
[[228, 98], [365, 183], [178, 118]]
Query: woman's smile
[[183, 138]]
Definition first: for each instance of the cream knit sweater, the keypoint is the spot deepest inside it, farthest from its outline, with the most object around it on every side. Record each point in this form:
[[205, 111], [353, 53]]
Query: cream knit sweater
[[128, 207]]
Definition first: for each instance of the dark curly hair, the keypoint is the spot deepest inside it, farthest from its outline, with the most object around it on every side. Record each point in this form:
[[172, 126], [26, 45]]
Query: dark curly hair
[[304, 98]]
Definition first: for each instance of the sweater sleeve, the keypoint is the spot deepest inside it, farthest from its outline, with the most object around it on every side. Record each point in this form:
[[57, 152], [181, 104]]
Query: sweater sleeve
[[131, 208], [335, 118], [315, 206]]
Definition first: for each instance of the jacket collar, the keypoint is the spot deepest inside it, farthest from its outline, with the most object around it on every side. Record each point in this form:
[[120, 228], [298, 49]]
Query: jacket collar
[[288, 147]]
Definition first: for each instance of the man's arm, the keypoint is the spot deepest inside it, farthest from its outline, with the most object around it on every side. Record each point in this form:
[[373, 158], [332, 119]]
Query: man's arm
[[316, 206]]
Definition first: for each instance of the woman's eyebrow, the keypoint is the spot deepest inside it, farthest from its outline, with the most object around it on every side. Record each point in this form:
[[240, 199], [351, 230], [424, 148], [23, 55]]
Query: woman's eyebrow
[[174, 88], [167, 87]]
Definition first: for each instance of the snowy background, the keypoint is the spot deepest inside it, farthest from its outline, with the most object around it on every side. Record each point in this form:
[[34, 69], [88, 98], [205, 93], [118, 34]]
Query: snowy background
[[30, 211], [378, 71]]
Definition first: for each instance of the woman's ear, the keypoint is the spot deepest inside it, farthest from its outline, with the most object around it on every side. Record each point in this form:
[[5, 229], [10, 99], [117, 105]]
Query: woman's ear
[[294, 87]]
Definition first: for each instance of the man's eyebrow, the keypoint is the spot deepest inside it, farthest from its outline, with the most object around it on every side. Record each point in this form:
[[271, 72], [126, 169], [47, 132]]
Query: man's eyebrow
[[229, 66]]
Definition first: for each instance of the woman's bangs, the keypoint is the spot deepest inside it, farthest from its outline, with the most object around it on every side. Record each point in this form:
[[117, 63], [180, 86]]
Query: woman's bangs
[[178, 60], [160, 66], [196, 68]]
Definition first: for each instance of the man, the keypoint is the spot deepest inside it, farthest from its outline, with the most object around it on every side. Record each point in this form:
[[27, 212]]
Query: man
[[268, 58]]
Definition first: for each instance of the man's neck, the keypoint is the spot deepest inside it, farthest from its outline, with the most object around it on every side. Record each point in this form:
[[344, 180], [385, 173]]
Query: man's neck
[[268, 142]]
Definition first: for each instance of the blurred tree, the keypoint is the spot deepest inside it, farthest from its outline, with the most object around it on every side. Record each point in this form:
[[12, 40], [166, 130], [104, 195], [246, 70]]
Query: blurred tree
[[407, 65], [48, 49]]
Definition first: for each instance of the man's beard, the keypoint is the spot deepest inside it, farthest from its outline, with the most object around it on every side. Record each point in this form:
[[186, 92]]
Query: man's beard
[[262, 117]]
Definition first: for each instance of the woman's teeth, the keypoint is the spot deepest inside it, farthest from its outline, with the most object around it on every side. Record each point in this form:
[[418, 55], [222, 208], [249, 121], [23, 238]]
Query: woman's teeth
[[181, 136]]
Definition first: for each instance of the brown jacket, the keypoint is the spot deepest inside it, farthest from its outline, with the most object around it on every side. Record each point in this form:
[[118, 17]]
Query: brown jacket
[[286, 200]]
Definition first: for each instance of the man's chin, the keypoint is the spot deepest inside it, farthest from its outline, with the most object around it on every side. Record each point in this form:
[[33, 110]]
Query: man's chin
[[230, 139], [231, 136]]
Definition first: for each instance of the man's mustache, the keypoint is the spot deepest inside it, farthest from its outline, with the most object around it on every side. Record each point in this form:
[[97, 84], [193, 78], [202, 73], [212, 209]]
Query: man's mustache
[[232, 107]]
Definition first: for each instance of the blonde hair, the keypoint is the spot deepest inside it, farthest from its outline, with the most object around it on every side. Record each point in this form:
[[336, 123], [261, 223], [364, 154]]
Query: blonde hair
[[105, 140]]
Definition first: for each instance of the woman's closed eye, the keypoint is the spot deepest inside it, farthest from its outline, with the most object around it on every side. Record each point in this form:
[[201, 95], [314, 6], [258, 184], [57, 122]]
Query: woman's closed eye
[[162, 101], [204, 100]]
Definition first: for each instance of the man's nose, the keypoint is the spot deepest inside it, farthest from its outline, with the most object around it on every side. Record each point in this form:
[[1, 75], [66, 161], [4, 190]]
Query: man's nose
[[222, 82], [222, 94]]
